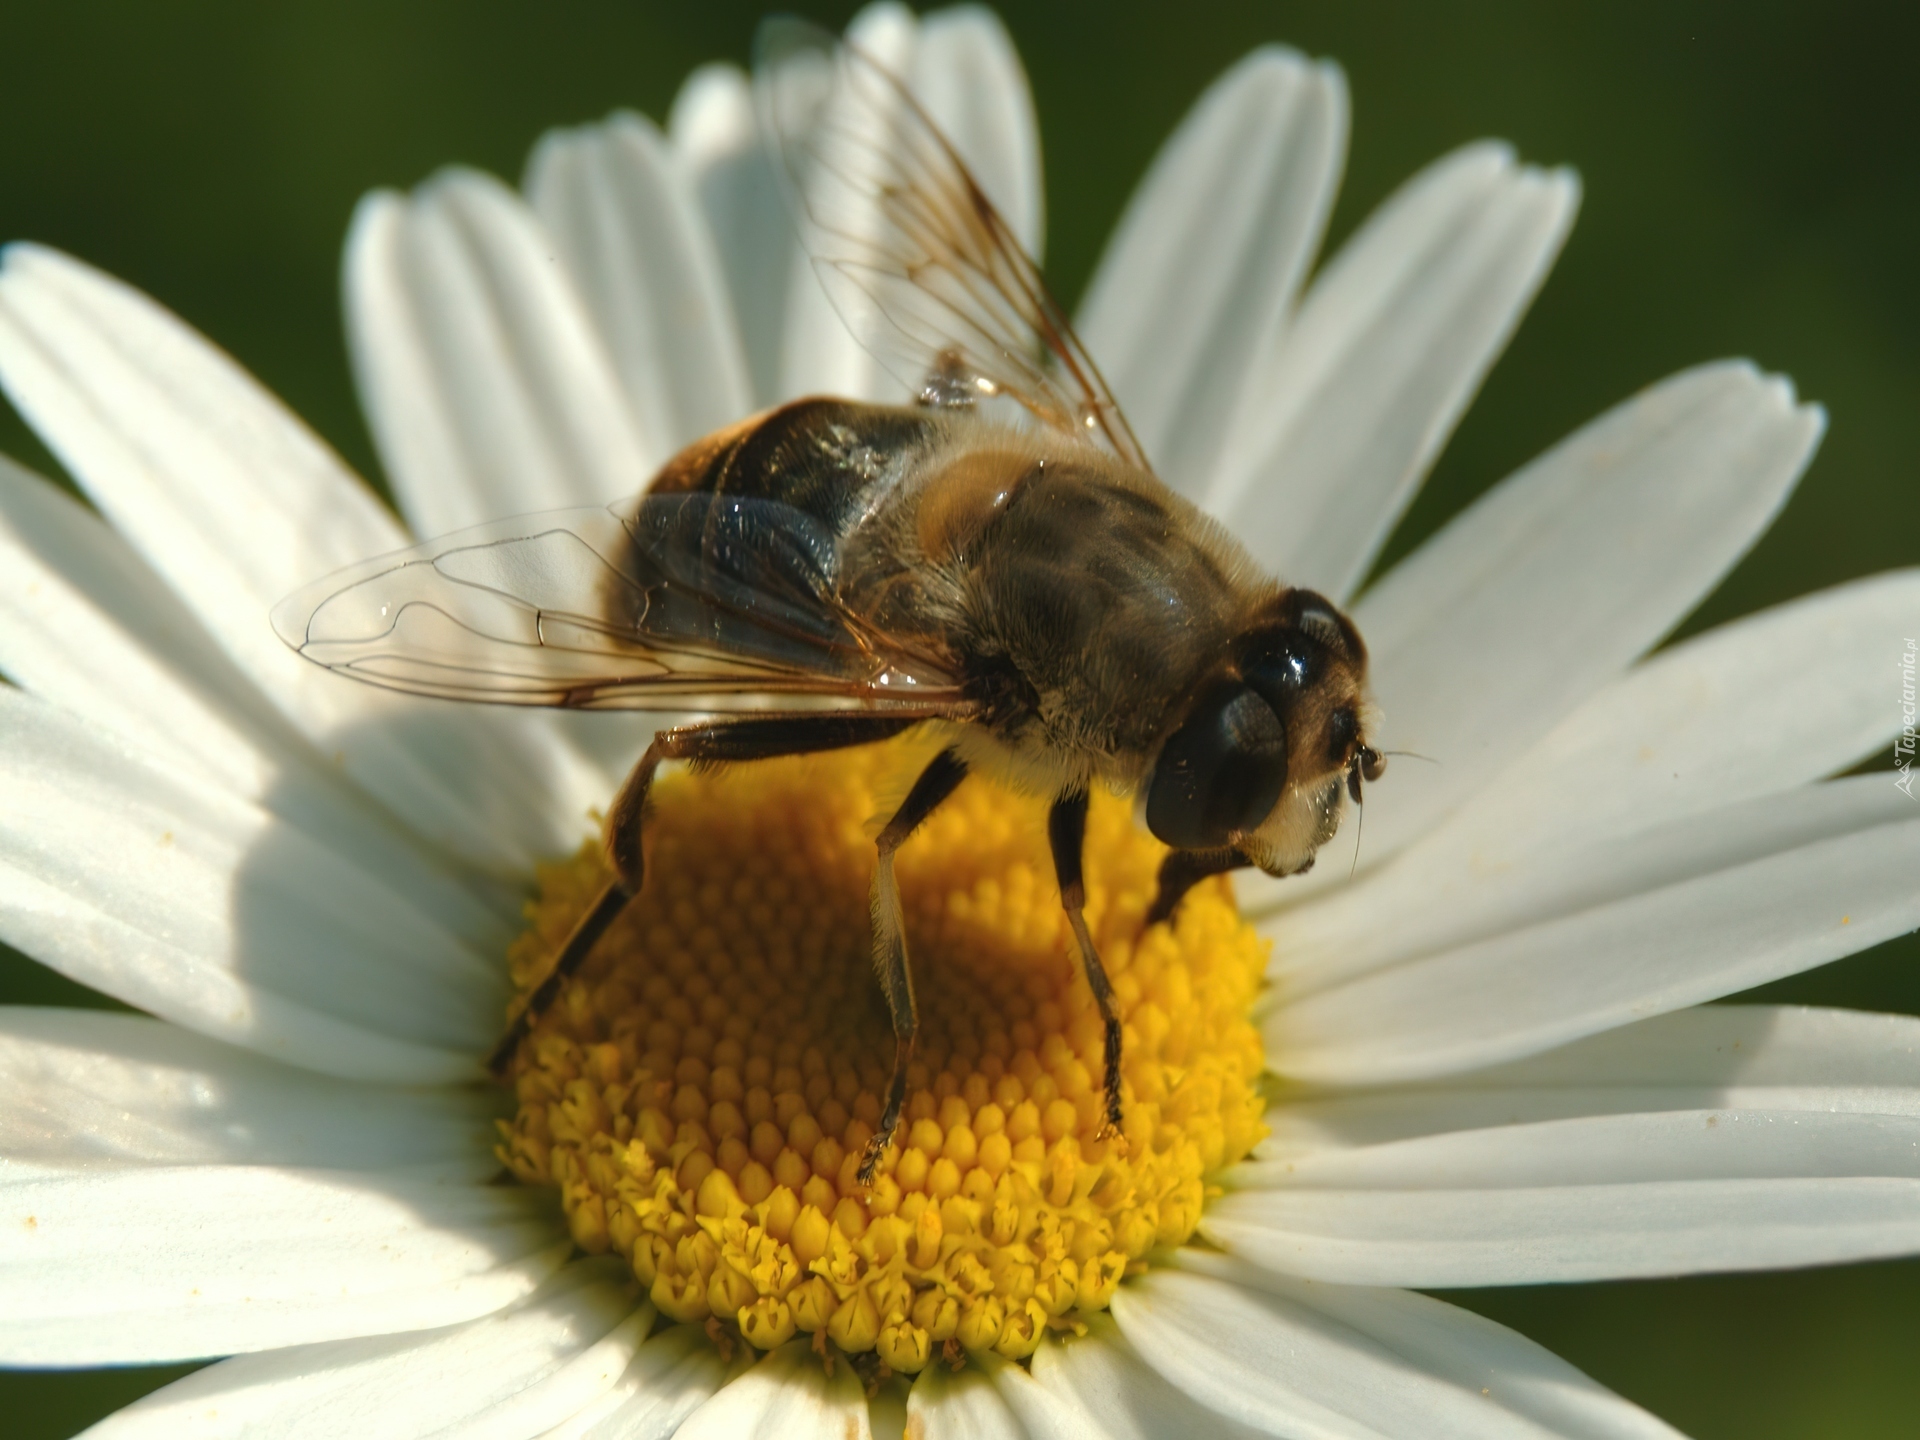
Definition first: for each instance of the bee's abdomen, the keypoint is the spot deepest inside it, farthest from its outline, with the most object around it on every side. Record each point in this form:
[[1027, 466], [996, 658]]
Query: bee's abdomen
[[770, 526], [828, 459]]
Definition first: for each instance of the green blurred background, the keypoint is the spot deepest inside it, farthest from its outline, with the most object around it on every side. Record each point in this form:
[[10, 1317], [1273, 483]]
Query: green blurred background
[[1752, 183]]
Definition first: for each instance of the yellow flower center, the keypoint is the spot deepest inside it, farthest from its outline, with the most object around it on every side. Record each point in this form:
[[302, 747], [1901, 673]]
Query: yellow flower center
[[702, 1091]]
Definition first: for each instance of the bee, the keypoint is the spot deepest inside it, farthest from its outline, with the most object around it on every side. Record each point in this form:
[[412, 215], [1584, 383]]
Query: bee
[[995, 560]]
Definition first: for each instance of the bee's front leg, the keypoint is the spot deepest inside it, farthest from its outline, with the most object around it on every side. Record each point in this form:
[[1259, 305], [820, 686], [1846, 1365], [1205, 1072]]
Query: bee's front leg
[[1067, 833], [1184, 869], [936, 783]]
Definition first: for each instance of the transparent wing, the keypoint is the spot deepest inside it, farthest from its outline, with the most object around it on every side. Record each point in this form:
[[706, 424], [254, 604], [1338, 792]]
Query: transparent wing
[[677, 601], [912, 253]]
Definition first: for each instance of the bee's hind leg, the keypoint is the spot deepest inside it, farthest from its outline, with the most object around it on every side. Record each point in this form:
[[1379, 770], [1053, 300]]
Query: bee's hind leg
[[754, 737], [935, 784], [1067, 833]]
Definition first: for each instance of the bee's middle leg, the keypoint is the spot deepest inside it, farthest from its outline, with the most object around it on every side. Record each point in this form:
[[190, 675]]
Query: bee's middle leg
[[755, 737], [935, 784], [1067, 833]]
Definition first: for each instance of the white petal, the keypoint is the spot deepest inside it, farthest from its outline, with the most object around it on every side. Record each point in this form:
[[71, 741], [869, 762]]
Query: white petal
[[964, 71], [139, 1264], [968, 75], [1844, 1052], [1303, 1360], [1643, 954], [717, 145], [1337, 424], [85, 624], [670, 1377], [1601, 1197], [82, 352], [506, 1377], [1565, 573], [946, 1406], [1103, 1376], [1800, 1164], [83, 1087], [233, 502], [1620, 1150], [1683, 733], [487, 387], [1688, 730], [147, 883], [787, 1396], [1554, 582], [638, 250], [1708, 1057], [1434, 900], [819, 354], [1043, 1413], [1202, 271]]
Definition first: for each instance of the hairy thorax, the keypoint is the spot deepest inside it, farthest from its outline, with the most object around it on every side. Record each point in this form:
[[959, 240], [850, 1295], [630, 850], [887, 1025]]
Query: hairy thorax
[[1080, 600]]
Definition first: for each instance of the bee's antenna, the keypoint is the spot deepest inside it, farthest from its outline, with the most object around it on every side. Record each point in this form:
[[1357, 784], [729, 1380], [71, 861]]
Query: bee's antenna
[[1359, 829], [1412, 755]]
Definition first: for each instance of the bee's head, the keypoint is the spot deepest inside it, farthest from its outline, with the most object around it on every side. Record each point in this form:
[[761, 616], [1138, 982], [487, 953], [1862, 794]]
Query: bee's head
[[1258, 762]]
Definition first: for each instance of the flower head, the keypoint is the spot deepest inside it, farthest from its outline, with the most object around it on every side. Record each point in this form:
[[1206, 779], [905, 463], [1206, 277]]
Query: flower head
[[1481, 1064], [702, 1097]]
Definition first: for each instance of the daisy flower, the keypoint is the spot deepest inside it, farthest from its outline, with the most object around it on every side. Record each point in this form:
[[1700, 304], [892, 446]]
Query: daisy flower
[[1480, 1059]]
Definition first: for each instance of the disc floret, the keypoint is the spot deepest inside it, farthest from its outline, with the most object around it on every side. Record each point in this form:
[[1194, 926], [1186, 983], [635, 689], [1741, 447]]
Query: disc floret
[[702, 1092]]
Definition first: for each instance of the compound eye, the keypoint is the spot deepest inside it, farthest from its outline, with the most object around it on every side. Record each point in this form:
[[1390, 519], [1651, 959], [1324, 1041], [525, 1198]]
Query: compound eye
[[1220, 773], [1283, 665]]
